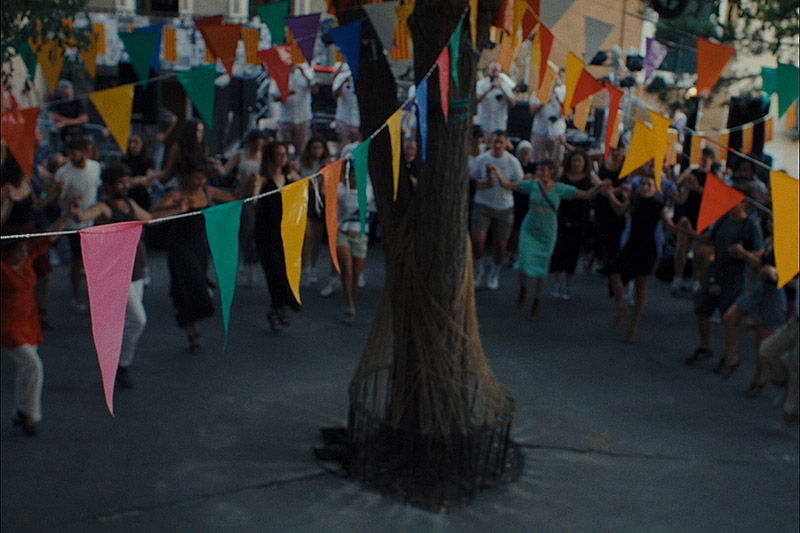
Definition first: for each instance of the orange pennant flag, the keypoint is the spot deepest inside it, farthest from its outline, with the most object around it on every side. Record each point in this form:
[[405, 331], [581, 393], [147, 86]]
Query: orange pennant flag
[[330, 176], [395, 135], [545, 45], [660, 140], [615, 131], [785, 213], [722, 146], [294, 201], [712, 58], [612, 124], [768, 130], [718, 199], [19, 132], [574, 68], [582, 114], [546, 85], [223, 40], [586, 87], [747, 138], [506, 54], [115, 107], [99, 29]]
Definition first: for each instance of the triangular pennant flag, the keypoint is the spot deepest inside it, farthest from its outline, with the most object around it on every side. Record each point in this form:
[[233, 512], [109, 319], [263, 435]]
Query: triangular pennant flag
[[787, 79], [454, 42], [530, 18], [581, 117], [615, 130], [250, 38], [297, 54], [213, 20], [304, 29], [401, 43], [473, 22], [504, 16], [785, 214], [574, 68], [198, 82], [28, 56], [520, 8], [671, 155], [140, 48], [89, 56], [51, 59], [330, 175], [614, 99], [115, 107], [586, 87], [508, 50], [596, 32], [443, 62], [274, 16], [712, 58], [19, 132], [222, 230], [108, 281], [294, 200], [656, 52], [769, 80], [768, 130], [791, 116], [545, 45], [551, 12], [361, 169], [382, 16], [348, 39], [747, 138], [396, 138], [722, 144], [158, 29], [278, 63], [718, 199], [99, 30], [640, 151], [660, 142], [546, 88], [421, 97], [223, 40]]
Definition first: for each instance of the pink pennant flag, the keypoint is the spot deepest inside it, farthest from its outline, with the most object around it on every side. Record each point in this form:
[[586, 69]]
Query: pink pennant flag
[[108, 279], [443, 62]]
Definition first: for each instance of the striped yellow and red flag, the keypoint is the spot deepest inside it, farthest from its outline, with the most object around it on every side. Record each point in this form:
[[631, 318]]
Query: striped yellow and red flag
[[170, 39], [250, 36], [401, 42], [99, 29]]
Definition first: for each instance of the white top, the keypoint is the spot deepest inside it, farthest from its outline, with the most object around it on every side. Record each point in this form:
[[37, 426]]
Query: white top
[[492, 110], [82, 182], [553, 108], [497, 197], [247, 167], [297, 108], [348, 207], [347, 104]]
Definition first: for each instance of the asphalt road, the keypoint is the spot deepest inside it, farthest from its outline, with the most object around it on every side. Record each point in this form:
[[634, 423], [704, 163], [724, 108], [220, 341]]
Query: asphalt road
[[617, 436]]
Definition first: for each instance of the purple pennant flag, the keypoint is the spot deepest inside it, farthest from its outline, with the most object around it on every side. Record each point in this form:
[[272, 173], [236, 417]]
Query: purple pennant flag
[[656, 52], [421, 98], [304, 28]]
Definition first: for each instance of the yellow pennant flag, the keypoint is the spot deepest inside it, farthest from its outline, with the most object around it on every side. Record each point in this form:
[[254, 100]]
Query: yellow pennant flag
[[536, 53], [785, 214], [519, 12], [89, 56], [747, 139], [722, 147], [396, 136], [507, 49], [582, 113], [544, 91], [115, 106], [473, 21], [294, 200], [640, 151], [51, 59], [574, 68], [768, 130], [660, 142], [696, 150]]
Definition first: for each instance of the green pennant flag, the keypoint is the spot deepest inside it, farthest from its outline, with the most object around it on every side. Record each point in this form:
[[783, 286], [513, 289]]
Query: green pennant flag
[[769, 80], [140, 47], [274, 16], [787, 86], [360, 167], [198, 82], [222, 232], [28, 56], [454, 40]]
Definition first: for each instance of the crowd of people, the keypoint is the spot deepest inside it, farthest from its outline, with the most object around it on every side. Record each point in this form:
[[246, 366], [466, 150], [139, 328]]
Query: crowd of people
[[538, 205]]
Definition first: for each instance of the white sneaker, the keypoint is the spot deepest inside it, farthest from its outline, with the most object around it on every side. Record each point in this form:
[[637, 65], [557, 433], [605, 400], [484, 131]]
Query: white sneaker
[[480, 271], [78, 306], [304, 278], [675, 286], [493, 281], [556, 292], [362, 281], [332, 285], [312, 275], [566, 294]]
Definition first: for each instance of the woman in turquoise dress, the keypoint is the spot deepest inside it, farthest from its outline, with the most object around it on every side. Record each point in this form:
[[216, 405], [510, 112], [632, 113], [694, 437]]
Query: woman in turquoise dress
[[537, 237]]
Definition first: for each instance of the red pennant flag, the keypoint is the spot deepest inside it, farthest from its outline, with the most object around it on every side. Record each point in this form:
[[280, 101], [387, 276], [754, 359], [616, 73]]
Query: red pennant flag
[[223, 40], [718, 199], [504, 16], [530, 18], [546, 40], [331, 174], [712, 58], [443, 62], [614, 99], [214, 20], [587, 86], [19, 132], [277, 62]]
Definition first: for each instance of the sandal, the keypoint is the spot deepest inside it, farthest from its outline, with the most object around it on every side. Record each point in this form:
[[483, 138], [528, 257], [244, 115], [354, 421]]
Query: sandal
[[274, 321], [699, 355]]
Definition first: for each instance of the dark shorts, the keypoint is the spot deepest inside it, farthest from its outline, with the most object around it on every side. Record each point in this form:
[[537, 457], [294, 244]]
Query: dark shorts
[[712, 296]]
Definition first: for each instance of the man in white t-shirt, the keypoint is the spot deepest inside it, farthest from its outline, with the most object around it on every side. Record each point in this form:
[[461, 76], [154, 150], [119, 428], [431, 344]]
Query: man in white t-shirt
[[294, 117], [80, 178], [493, 206], [495, 94], [348, 117], [549, 125]]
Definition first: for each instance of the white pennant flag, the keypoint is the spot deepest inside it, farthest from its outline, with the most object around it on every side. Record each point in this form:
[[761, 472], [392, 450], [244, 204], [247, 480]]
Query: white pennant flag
[[383, 18], [596, 33], [553, 11]]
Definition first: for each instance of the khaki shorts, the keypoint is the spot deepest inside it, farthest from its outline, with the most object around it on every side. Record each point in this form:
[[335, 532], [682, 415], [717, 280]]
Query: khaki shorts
[[501, 221], [356, 243]]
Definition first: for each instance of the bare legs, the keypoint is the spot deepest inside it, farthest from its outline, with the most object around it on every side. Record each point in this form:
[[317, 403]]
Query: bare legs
[[640, 298], [731, 325], [311, 244], [351, 268], [536, 298]]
